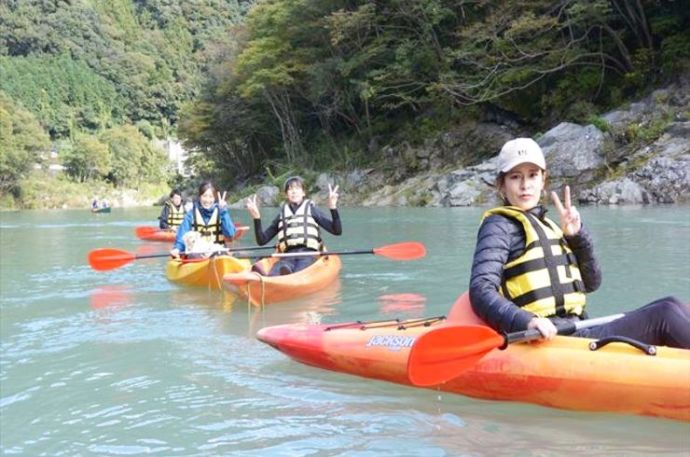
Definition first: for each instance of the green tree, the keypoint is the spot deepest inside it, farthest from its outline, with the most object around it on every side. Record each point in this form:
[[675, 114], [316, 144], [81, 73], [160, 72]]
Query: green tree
[[87, 158], [64, 94], [150, 53], [133, 159], [22, 142]]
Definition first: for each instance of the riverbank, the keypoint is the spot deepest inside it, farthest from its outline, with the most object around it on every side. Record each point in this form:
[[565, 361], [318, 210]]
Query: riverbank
[[637, 154], [46, 190]]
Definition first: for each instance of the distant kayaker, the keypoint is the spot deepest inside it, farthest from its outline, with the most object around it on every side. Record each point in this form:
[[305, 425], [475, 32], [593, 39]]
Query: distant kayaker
[[298, 226], [207, 217], [528, 272], [173, 212]]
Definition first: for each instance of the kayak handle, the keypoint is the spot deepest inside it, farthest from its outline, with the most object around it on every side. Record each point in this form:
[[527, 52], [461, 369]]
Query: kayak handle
[[648, 349]]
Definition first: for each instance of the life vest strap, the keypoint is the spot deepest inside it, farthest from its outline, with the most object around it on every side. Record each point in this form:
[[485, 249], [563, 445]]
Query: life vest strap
[[211, 231], [298, 229], [537, 243], [537, 264], [557, 289], [545, 292]]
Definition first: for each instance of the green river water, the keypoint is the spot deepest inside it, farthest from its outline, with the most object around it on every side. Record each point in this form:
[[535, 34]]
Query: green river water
[[123, 363]]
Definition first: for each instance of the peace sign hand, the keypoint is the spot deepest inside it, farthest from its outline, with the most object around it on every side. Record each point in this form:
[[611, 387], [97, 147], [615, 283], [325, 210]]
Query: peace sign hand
[[570, 217], [222, 204], [253, 207], [332, 196]]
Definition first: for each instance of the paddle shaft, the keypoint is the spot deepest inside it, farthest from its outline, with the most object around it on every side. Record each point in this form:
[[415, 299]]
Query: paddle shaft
[[406, 250], [442, 354], [167, 254], [566, 328], [318, 253], [222, 250], [126, 255]]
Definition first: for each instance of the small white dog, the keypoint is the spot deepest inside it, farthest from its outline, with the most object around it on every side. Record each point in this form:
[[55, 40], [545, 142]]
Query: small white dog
[[197, 247]]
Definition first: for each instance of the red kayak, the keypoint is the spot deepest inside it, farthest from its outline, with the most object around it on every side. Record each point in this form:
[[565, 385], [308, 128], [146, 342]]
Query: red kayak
[[562, 373], [149, 233]]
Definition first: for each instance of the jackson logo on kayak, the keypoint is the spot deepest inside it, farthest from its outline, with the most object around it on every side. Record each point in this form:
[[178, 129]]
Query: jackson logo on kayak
[[392, 342]]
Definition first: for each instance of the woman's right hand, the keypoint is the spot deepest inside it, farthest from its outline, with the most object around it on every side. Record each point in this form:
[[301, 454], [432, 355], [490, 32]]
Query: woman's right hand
[[253, 207], [545, 327], [175, 253]]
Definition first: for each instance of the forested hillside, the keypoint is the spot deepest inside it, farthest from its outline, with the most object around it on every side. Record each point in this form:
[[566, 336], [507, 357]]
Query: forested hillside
[[283, 84], [81, 71], [330, 82]]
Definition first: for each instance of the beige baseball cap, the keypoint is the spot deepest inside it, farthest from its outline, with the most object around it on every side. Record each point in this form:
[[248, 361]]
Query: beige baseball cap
[[520, 150]]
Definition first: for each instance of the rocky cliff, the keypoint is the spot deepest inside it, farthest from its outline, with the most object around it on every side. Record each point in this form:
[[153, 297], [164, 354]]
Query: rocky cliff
[[638, 154]]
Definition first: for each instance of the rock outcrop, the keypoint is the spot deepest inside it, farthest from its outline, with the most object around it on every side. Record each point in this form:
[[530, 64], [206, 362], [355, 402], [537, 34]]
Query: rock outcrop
[[634, 155]]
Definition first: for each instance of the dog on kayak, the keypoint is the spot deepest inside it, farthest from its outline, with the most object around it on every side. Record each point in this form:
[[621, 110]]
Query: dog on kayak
[[196, 247]]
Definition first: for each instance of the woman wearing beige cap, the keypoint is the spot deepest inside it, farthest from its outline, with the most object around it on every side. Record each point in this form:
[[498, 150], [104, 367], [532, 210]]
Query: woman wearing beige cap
[[529, 272]]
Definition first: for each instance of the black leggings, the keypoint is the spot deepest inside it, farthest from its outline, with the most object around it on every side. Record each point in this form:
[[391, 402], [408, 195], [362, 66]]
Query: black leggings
[[664, 322]]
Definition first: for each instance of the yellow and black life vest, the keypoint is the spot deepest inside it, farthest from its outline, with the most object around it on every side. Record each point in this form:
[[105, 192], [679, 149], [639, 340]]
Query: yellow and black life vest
[[175, 214], [298, 228], [210, 231], [545, 279]]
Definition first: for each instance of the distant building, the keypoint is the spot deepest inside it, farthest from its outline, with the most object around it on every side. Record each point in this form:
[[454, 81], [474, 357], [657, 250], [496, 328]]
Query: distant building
[[176, 154]]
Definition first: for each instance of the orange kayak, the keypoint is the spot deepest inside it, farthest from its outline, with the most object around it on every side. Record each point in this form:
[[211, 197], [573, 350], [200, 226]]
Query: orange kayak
[[560, 373], [261, 290], [204, 272]]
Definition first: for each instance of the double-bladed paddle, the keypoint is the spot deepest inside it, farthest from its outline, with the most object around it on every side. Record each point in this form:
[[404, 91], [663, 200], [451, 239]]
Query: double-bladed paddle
[[105, 259], [444, 353], [407, 250], [109, 258]]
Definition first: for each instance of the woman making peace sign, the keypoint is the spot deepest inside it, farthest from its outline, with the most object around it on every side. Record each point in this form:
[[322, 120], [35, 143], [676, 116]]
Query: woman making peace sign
[[212, 220], [298, 226], [529, 272]]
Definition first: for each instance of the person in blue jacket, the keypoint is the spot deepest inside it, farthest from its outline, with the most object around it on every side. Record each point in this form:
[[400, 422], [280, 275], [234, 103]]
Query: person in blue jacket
[[529, 272], [208, 217]]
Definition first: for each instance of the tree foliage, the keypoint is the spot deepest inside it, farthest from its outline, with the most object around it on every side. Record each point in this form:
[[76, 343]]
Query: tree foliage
[[21, 141], [87, 71], [133, 159], [65, 95], [87, 158], [127, 60], [330, 71], [287, 83]]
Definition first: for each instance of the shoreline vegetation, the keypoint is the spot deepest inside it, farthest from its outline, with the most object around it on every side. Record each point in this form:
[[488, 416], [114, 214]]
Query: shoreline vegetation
[[403, 104]]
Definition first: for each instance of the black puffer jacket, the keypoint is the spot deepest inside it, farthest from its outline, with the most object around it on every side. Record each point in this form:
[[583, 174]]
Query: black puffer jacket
[[500, 240]]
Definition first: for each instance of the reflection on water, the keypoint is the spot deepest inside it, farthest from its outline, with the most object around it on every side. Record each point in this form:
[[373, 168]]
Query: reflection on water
[[110, 296], [403, 304], [313, 308], [125, 363]]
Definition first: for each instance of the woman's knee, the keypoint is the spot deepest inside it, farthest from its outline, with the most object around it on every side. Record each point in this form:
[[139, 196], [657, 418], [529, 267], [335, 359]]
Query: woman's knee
[[671, 308]]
